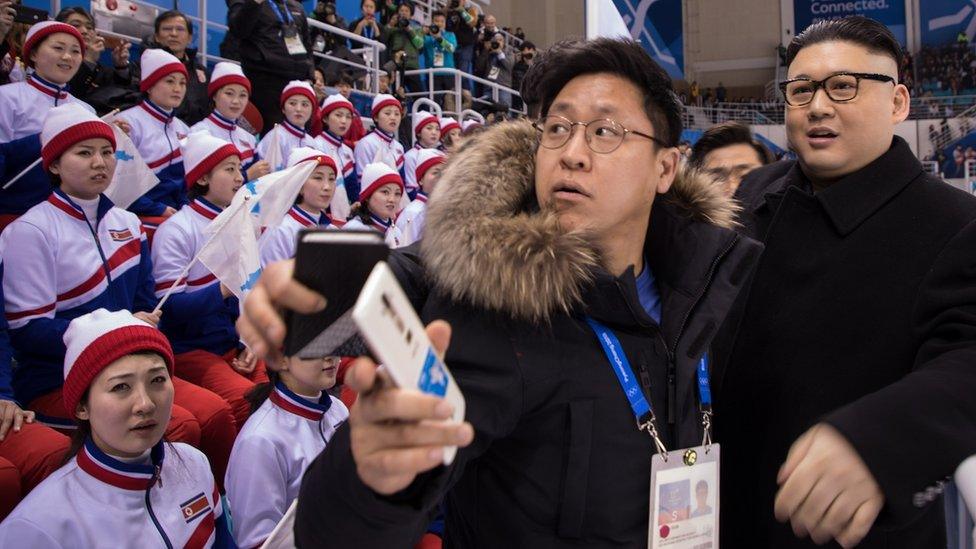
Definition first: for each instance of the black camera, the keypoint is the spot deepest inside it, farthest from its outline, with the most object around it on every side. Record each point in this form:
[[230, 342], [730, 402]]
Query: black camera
[[496, 45], [403, 23], [434, 29]]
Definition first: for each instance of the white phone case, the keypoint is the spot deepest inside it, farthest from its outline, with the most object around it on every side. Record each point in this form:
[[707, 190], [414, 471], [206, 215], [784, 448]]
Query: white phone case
[[394, 333]]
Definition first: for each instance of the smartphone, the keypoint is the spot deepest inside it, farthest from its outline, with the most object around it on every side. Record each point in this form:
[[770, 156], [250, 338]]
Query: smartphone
[[398, 341], [29, 15], [336, 265]]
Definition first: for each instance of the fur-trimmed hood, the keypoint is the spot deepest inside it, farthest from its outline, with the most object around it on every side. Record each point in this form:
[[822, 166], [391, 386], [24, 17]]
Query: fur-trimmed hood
[[488, 244]]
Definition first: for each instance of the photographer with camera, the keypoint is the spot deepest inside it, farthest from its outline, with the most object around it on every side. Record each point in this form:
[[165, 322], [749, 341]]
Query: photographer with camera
[[368, 25], [324, 41], [405, 38], [462, 20], [525, 58], [495, 66], [439, 46]]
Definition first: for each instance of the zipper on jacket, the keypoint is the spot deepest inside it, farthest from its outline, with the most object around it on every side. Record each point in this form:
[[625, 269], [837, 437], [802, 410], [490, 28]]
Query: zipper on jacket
[[101, 252], [156, 478]]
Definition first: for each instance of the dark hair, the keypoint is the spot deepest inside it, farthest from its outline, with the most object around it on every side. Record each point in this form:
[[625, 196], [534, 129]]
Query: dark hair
[[526, 45], [437, 13], [360, 210], [723, 135], [860, 30], [407, 3], [170, 14], [64, 14], [567, 60], [196, 190], [257, 395]]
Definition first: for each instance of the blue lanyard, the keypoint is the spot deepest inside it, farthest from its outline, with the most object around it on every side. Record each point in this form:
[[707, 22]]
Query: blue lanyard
[[277, 12], [641, 407]]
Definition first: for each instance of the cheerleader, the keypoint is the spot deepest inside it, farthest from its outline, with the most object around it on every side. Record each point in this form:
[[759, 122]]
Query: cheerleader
[[309, 210], [450, 134], [298, 106], [411, 220], [378, 203], [199, 316], [156, 132], [337, 116], [75, 253], [427, 129], [55, 51], [123, 484], [294, 419], [381, 145], [229, 91]]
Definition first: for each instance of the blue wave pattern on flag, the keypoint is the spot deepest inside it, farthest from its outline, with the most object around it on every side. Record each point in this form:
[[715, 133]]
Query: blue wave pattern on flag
[[656, 24]]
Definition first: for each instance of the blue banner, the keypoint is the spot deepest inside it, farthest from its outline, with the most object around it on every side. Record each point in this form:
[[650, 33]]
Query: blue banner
[[942, 20], [889, 12], [657, 26]]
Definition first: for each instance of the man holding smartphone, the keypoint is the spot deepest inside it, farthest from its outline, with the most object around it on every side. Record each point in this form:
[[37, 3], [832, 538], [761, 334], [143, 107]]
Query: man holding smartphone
[[533, 278]]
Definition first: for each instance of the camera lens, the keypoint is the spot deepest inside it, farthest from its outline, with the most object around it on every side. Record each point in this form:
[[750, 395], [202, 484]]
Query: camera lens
[[434, 29]]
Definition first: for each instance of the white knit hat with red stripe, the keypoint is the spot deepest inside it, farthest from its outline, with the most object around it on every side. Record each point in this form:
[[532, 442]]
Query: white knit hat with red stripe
[[301, 154], [297, 87], [448, 124], [376, 175], [225, 74], [202, 152], [382, 101], [470, 124], [99, 338], [67, 124], [427, 159], [421, 119], [156, 65], [39, 31], [333, 102]]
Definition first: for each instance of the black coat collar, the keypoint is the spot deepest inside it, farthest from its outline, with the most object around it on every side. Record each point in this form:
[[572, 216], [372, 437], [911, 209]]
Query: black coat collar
[[857, 196]]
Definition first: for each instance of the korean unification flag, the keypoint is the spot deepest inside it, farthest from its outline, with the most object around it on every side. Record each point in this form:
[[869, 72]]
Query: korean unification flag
[[270, 197], [132, 178], [231, 249], [274, 159]]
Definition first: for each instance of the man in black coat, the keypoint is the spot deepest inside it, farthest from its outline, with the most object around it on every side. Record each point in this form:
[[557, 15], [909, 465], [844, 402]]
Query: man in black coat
[[848, 395], [275, 48], [557, 459]]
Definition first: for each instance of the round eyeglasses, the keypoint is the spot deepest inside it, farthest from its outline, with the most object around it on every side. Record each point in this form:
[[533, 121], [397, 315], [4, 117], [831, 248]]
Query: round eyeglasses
[[602, 135], [839, 87]]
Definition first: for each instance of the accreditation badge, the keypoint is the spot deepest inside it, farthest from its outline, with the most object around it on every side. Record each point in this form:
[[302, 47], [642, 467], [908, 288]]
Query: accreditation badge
[[293, 41], [438, 58], [684, 499]]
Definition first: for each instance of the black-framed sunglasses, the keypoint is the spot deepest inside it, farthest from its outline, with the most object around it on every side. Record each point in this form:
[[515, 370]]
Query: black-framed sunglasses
[[603, 135], [839, 87]]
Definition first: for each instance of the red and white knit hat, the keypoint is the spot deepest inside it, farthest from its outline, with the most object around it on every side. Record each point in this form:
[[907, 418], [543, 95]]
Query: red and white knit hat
[[376, 175], [385, 100], [333, 102], [421, 119], [301, 154], [99, 338], [225, 74], [297, 87], [67, 124], [470, 124], [427, 159], [202, 152], [156, 65], [39, 31], [448, 124]]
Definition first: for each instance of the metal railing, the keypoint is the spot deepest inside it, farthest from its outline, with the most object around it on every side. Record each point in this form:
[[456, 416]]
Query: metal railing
[[370, 51], [456, 90]]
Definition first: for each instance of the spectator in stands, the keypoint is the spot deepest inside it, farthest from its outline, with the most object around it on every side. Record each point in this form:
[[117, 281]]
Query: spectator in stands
[[368, 25], [694, 94], [275, 49], [405, 34], [156, 132], [173, 34], [55, 51], [51, 255], [378, 204], [524, 59], [102, 87], [9, 42], [324, 41], [462, 20], [198, 318], [381, 144], [310, 209], [721, 93], [728, 152], [297, 104], [29, 451], [439, 54], [519, 33], [118, 488], [486, 34], [427, 135], [294, 419], [357, 130], [427, 172], [337, 118], [495, 66], [450, 134]]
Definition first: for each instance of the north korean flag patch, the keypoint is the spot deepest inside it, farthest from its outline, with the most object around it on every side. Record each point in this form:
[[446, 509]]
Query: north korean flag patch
[[120, 235], [195, 507]]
